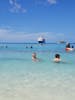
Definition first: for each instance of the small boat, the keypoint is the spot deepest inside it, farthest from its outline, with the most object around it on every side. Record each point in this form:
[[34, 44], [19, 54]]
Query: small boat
[[61, 42], [41, 40]]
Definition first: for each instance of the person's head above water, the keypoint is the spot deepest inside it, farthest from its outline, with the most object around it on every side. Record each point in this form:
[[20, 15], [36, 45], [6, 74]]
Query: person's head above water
[[57, 56], [68, 45], [34, 57], [72, 46]]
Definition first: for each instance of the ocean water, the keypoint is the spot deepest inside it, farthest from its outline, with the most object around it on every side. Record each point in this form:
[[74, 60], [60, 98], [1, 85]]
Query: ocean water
[[23, 79]]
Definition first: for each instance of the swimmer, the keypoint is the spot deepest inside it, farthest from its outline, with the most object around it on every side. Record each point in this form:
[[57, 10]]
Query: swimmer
[[31, 47], [34, 58], [68, 47], [57, 58], [26, 46], [72, 46]]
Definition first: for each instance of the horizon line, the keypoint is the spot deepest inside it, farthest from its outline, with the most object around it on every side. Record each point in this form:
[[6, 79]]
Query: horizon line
[[32, 43]]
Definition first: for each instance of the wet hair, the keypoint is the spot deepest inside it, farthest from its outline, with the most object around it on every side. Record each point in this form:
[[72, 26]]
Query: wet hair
[[68, 45], [72, 46], [57, 56], [31, 47]]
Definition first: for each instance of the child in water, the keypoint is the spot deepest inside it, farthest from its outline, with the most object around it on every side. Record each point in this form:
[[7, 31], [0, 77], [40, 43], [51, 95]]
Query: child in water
[[57, 58]]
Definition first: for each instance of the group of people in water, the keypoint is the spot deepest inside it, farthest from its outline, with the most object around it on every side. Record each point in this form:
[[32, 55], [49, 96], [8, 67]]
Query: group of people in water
[[29, 47], [57, 58]]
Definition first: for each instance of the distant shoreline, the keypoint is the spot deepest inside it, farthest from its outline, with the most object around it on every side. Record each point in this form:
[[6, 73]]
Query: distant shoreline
[[31, 43], [25, 43]]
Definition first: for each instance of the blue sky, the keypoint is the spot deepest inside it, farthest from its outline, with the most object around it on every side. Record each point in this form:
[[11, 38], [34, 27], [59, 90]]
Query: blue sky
[[26, 20]]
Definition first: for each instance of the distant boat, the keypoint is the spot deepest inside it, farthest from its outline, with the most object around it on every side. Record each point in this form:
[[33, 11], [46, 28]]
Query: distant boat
[[61, 42], [41, 40]]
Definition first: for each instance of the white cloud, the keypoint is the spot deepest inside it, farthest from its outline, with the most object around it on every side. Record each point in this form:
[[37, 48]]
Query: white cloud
[[8, 35], [45, 2], [11, 2], [52, 1], [16, 7]]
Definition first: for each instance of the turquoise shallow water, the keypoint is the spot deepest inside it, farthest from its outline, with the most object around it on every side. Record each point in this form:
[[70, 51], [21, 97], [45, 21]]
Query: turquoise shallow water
[[23, 79]]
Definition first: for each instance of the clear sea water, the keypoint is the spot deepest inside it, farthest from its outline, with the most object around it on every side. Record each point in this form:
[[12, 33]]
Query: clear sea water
[[23, 79]]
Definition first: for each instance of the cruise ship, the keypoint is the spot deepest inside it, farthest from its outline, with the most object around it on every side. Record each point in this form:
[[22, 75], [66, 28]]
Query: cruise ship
[[41, 40]]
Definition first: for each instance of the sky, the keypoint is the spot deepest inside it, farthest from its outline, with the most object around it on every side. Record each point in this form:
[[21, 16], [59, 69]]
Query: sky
[[26, 20]]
